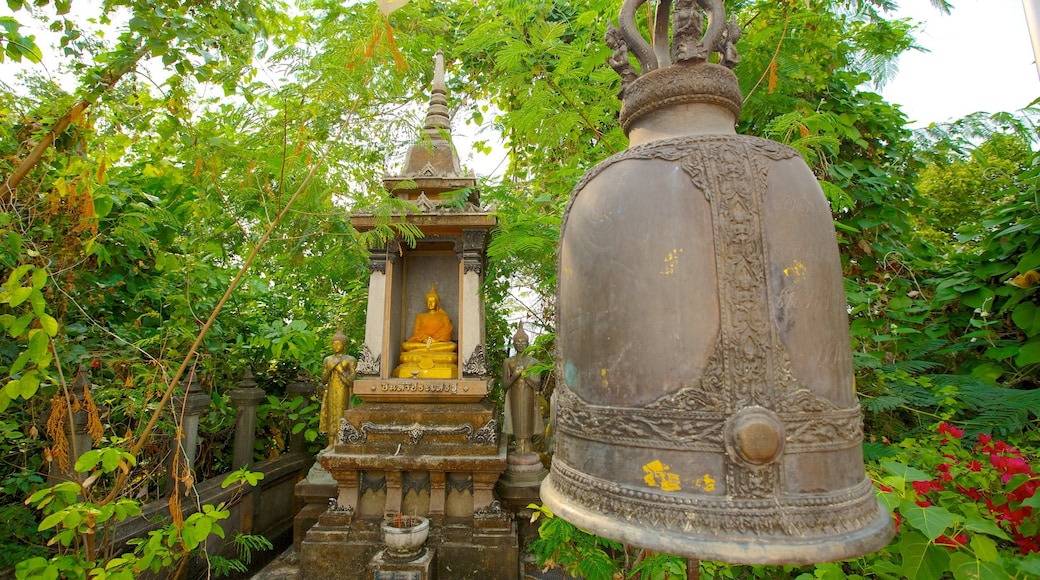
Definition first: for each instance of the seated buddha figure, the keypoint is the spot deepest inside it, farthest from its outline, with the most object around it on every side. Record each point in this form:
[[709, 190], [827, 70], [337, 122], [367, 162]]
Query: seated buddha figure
[[429, 353]]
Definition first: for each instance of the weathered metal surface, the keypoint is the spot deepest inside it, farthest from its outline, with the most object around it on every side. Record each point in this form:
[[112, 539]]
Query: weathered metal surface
[[707, 405]]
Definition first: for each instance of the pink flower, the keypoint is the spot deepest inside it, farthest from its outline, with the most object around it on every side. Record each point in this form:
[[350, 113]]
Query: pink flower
[[948, 429]]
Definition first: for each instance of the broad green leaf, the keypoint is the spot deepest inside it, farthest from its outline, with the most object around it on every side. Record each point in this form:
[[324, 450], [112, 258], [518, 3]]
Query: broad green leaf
[[905, 471], [88, 460], [49, 324], [13, 389], [39, 305], [932, 520], [19, 295], [51, 521], [18, 327], [39, 278], [38, 343], [1029, 564], [14, 279], [110, 460], [29, 384], [190, 538], [1033, 502], [72, 519], [1027, 317], [985, 548], [921, 559], [985, 527], [965, 567], [202, 528], [1029, 353], [19, 363]]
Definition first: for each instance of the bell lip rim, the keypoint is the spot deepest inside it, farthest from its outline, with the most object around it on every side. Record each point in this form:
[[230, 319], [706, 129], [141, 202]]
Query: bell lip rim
[[827, 548]]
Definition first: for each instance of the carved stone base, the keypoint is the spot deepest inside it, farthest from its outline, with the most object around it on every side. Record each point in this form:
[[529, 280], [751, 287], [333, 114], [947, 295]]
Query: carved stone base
[[382, 567], [314, 493], [462, 551]]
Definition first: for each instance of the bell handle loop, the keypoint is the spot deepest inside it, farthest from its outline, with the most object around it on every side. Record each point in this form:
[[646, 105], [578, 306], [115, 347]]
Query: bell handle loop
[[637, 45]]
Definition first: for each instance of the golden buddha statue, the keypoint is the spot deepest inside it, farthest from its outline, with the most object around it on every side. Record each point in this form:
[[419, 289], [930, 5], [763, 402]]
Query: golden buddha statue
[[337, 378], [430, 353]]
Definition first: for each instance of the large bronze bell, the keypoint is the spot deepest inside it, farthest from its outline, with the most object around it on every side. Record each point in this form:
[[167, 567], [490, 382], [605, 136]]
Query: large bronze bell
[[707, 405]]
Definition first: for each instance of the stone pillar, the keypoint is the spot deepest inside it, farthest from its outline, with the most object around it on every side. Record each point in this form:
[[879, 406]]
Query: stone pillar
[[245, 399], [303, 386], [472, 358], [193, 403], [371, 360]]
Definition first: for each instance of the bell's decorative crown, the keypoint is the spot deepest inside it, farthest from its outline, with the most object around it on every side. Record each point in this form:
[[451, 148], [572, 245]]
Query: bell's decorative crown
[[678, 69]]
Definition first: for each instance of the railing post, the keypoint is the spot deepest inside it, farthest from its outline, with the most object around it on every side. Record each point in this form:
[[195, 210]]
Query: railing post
[[79, 439], [245, 399], [193, 403], [302, 386]]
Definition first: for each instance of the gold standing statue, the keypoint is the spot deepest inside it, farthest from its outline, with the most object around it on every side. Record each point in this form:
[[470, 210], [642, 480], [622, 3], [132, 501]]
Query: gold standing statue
[[523, 387], [337, 378], [430, 353]]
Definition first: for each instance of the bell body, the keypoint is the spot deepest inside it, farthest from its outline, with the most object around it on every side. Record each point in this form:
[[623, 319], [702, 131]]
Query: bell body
[[707, 405]]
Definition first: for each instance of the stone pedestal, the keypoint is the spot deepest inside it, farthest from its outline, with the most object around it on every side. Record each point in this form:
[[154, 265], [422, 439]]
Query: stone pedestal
[[518, 488], [438, 460], [382, 567], [315, 493]]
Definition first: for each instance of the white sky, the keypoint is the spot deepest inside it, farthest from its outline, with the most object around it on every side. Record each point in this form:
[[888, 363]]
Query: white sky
[[981, 59]]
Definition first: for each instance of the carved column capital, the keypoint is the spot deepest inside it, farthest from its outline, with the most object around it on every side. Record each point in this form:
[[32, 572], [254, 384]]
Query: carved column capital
[[473, 244]]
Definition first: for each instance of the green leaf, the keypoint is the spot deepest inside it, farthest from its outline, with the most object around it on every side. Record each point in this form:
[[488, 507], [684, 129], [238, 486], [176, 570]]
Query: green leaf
[[110, 460], [39, 278], [18, 328], [39, 305], [932, 520], [1027, 317], [921, 560], [985, 548], [88, 460], [19, 295], [29, 384], [905, 471], [13, 389], [1029, 564], [965, 567], [14, 280], [985, 527], [51, 521], [49, 324], [19, 363], [38, 343], [1029, 353]]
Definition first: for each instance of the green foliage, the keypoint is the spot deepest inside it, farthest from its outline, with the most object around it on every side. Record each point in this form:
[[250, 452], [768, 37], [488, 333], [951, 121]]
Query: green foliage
[[123, 238]]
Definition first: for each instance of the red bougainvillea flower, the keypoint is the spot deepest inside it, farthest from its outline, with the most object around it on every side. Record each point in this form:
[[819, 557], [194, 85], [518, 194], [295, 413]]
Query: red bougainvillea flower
[[947, 429], [1026, 544], [923, 503], [970, 492], [1025, 491], [974, 465]]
